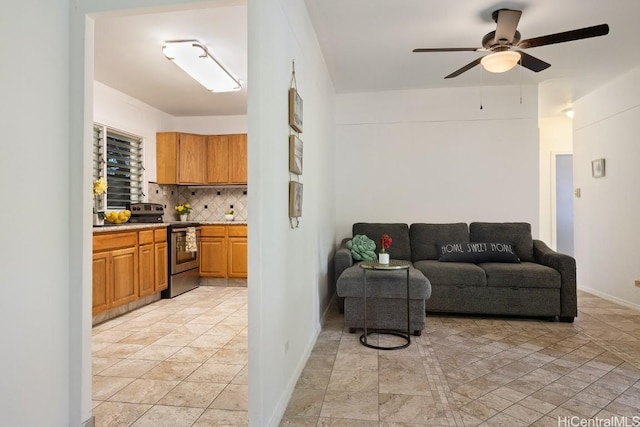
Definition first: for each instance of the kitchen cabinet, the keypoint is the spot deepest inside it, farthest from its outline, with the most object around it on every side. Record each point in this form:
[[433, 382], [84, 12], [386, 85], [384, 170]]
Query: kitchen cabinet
[[161, 258], [223, 251], [181, 158], [115, 270], [227, 159], [237, 251], [147, 261], [213, 253]]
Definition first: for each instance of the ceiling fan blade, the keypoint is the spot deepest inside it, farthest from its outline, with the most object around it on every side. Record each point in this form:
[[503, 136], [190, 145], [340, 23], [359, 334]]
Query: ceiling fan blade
[[533, 63], [567, 36], [463, 69], [507, 21], [447, 49]]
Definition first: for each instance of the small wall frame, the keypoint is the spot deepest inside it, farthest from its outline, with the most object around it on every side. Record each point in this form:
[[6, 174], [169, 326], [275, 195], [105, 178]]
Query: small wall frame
[[295, 199], [295, 155], [295, 110], [597, 168]]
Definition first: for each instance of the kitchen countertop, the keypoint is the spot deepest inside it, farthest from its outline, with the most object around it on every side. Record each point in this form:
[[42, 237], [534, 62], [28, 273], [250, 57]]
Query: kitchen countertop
[[107, 228]]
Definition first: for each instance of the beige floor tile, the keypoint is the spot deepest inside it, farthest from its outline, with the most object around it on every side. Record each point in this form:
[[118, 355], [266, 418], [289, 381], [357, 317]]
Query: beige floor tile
[[317, 379], [404, 408], [101, 363], [155, 352], [131, 368], [118, 414], [105, 387], [169, 416], [353, 405], [220, 417], [190, 394], [354, 380], [299, 422], [144, 391], [233, 356], [171, 370], [220, 373], [234, 398], [305, 403]]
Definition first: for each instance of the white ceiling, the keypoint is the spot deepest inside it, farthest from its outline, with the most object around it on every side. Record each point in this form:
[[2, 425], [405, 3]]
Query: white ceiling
[[368, 46]]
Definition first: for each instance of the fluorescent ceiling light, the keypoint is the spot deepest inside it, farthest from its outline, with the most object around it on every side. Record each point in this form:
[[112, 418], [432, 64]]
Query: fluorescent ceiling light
[[499, 62], [194, 59]]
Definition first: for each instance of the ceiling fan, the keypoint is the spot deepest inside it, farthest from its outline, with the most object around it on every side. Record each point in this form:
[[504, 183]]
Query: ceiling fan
[[506, 47]]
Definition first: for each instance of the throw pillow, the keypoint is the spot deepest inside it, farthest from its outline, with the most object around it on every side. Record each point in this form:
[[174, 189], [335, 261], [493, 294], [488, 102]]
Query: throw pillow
[[477, 252], [362, 248]]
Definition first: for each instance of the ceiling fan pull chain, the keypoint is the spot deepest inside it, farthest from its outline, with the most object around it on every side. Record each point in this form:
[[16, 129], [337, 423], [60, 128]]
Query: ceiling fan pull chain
[[481, 85], [520, 71]]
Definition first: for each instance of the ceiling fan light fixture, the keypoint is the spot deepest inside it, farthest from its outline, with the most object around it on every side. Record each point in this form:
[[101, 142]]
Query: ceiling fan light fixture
[[499, 62], [194, 59]]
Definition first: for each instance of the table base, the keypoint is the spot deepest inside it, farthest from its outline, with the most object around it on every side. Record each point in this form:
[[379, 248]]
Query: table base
[[406, 336]]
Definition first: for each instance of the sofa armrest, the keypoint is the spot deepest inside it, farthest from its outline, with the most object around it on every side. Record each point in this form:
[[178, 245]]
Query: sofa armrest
[[566, 266], [342, 259]]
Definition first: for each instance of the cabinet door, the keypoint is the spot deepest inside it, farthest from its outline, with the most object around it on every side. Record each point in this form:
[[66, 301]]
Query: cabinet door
[[162, 272], [125, 276], [167, 157], [213, 257], [237, 257], [238, 159], [192, 157], [146, 268], [218, 159], [101, 280]]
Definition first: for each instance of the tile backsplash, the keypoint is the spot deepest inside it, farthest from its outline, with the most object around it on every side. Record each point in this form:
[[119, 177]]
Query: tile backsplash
[[208, 204]]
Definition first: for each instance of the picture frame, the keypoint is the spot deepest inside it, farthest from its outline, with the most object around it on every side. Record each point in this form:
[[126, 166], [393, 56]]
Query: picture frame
[[295, 154], [597, 168], [295, 199], [295, 110]]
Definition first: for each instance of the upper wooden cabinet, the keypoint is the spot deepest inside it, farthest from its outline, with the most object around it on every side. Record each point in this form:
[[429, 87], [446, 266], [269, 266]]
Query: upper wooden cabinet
[[181, 158], [184, 158], [238, 159], [227, 159]]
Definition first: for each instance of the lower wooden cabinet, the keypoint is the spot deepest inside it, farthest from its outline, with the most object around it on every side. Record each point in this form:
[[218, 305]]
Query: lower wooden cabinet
[[127, 266], [223, 251]]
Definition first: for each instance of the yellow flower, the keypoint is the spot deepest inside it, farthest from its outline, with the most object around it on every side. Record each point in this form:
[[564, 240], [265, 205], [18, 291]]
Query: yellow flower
[[99, 186]]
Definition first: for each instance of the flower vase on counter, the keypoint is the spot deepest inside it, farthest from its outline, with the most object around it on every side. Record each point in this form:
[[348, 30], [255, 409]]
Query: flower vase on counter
[[183, 211], [99, 189]]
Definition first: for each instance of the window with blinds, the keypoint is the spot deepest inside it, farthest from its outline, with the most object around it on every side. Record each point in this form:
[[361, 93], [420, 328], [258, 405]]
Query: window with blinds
[[118, 157]]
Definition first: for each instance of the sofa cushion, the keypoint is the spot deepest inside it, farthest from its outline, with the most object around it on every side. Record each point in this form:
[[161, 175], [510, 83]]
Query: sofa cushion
[[424, 238], [518, 233], [383, 284], [399, 233], [523, 275], [451, 273], [477, 252]]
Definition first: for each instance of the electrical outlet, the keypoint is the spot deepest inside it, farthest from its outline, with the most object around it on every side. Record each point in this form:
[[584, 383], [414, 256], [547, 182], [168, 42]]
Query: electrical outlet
[[637, 283]]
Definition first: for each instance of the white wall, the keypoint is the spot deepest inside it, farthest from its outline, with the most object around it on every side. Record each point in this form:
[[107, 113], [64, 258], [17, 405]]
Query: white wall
[[556, 137], [38, 378], [607, 125], [210, 125], [288, 277], [435, 156]]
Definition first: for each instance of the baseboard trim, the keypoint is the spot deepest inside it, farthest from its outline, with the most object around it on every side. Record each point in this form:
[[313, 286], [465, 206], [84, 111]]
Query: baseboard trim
[[609, 297]]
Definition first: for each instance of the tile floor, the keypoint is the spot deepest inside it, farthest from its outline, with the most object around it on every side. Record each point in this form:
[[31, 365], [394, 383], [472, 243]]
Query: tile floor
[[472, 371], [182, 362], [178, 362]]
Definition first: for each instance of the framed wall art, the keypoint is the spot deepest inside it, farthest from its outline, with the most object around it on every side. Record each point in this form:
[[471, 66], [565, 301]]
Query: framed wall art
[[295, 155], [295, 199], [295, 110], [597, 168]]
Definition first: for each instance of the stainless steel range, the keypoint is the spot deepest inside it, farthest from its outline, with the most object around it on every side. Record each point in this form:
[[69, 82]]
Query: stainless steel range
[[184, 258], [183, 240]]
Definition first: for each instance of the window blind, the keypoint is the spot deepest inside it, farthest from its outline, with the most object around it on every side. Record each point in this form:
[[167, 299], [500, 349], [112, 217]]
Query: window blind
[[119, 158]]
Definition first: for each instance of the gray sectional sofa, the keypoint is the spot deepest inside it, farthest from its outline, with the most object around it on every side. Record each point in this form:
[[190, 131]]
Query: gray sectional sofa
[[523, 278]]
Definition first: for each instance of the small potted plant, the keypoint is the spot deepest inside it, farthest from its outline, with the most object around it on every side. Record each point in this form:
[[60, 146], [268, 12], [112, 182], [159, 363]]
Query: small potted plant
[[385, 243], [228, 215], [183, 211]]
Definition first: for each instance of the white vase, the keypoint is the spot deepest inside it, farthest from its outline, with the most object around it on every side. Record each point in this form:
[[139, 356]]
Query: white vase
[[98, 219], [183, 217], [383, 258]]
